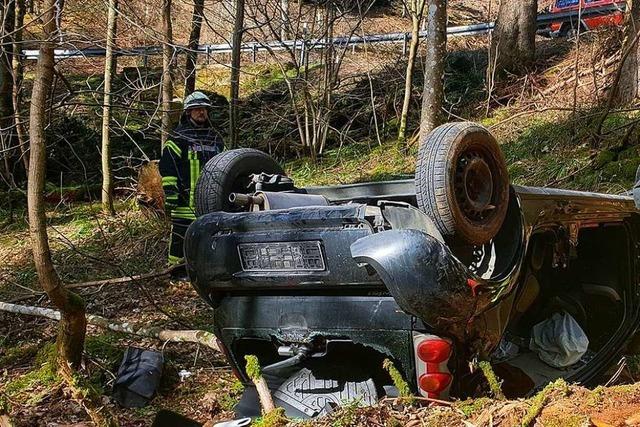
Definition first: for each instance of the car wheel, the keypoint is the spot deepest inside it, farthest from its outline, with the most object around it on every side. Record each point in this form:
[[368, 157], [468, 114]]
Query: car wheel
[[462, 182], [229, 172]]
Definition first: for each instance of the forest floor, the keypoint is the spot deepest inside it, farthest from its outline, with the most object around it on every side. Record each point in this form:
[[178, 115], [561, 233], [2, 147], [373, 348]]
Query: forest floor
[[88, 245], [547, 123]]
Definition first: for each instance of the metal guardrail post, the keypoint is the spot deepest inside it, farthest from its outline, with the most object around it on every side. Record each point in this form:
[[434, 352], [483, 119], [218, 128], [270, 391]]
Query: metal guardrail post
[[254, 52], [405, 39]]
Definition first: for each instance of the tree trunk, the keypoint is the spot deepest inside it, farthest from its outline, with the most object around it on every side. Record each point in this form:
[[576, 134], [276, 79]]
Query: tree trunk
[[436, 51], [167, 77], [513, 43], [194, 40], [7, 8], [72, 328], [628, 88], [18, 75], [194, 336], [417, 9], [285, 34], [238, 26], [109, 68]]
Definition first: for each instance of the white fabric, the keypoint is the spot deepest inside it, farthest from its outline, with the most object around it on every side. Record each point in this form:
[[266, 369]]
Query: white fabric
[[559, 341]]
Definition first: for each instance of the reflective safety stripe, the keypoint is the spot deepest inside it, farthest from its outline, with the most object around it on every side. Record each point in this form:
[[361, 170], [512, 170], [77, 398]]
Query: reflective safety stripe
[[173, 147], [194, 169], [183, 212], [169, 180]]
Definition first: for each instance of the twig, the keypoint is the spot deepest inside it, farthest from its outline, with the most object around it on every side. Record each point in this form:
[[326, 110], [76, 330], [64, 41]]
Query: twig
[[194, 336], [119, 280], [125, 279], [255, 373]]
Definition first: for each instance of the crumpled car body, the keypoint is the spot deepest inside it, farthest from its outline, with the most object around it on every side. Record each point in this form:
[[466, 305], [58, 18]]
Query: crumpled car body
[[323, 295]]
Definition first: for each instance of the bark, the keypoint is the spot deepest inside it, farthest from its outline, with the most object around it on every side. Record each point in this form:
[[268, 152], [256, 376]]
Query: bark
[[513, 43], [238, 27], [417, 8], [628, 88], [194, 40], [285, 34], [72, 328], [195, 336], [109, 68], [167, 77], [98, 412], [7, 8], [264, 394], [5, 421], [18, 74], [436, 51]]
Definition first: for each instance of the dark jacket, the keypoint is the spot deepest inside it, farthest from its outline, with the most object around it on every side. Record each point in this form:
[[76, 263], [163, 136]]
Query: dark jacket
[[188, 148]]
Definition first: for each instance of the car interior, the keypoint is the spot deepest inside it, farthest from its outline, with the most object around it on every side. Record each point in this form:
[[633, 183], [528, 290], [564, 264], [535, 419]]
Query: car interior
[[578, 277]]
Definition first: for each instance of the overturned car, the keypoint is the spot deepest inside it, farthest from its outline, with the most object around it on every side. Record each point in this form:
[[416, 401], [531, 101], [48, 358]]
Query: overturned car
[[435, 273]]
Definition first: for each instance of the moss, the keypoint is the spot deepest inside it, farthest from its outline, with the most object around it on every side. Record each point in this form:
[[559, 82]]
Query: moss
[[596, 396], [253, 367], [398, 381], [32, 386], [275, 418], [538, 401], [346, 415], [18, 353], [472, 406], [604, 157], [229, 397], [492, 379], [5, 407], [567, 421], [104, 347]]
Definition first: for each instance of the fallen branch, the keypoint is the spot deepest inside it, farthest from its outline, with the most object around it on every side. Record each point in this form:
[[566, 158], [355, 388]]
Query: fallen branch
[[125, 279], [194, 336], [115, 281], [255, 373]]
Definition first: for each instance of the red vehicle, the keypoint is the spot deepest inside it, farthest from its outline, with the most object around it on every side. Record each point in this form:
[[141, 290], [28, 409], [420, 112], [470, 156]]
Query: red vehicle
[[595, 13]]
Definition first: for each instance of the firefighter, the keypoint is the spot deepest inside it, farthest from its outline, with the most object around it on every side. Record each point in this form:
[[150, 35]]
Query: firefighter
[[191, 144]]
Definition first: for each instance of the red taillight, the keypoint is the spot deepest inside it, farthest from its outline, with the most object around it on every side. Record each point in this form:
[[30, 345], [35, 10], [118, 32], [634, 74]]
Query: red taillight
[[435, 383], [434, 351]]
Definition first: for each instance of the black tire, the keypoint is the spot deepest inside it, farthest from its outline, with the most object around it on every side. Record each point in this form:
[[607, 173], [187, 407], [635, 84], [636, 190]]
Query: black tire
[[229, 172], [462, 182]]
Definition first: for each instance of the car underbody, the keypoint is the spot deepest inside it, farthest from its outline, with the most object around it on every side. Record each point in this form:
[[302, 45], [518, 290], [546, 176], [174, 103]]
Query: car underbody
[[328, 285]]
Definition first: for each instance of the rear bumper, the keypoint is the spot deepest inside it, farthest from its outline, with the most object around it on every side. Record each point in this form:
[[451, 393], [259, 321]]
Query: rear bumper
[[352, 336]]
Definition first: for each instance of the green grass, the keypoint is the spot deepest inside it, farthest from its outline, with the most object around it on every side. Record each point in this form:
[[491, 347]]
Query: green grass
[[555, 150], [354, 163]]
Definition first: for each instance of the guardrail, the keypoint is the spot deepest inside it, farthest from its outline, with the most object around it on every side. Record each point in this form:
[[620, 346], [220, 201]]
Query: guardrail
[[304, 45]]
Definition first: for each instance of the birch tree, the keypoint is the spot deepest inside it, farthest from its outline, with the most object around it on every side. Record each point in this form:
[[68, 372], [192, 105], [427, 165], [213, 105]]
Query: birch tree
[[167, 78], [416, 9], [109, 68], [72, 326], [436, 51]]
